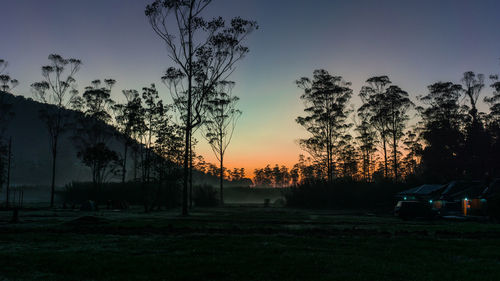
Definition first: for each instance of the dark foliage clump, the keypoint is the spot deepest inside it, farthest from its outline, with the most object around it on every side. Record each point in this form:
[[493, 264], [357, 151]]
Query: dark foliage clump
[[205, 196], [344, 194], [134, 193]]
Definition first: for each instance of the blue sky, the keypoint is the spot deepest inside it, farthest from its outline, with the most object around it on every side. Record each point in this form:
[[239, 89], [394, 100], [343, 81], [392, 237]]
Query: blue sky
[[416, 43]]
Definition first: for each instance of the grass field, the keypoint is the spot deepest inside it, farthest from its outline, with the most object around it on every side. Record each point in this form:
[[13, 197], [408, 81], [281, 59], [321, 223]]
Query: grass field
[[243, 243]]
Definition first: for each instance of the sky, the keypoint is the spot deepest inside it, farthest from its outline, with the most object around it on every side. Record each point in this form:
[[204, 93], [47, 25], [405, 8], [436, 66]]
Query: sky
[[415, 43]]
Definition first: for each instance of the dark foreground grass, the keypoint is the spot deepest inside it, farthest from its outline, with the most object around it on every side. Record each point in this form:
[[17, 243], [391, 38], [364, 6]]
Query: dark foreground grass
[[244, 244]]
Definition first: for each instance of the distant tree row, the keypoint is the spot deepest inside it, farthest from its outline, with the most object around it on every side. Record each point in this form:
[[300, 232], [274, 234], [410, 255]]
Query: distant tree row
[[210, 169], [277, 176], [450, 138]]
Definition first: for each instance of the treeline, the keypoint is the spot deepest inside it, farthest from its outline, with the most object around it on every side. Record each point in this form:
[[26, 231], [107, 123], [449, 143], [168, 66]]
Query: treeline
[[151, 139], [203, 53], [210, 169], [449, 139], [277, 176], [93, 119]]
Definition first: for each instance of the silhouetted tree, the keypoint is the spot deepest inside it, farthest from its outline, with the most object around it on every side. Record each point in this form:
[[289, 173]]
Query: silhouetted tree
[[204, 51], [398, 103], [309, 170], [6, 114], [294, 175], [414, 149], [348, 157], [264, 176], [374, 107], [278, 176], [154, 115], [200, 164], [128, 118], [366, 140], [93, 131], [237, 174], [3, 65], [7, 84], [472, 86], [493, 125], [325, 98], [101, 160], [219, 124], [494, 101], [442, 120], [4, 154], [57, 91], [476, 138], [165, 157], [168, 139]]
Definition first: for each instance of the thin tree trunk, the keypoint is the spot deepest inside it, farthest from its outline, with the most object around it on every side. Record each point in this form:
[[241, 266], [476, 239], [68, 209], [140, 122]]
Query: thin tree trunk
[[135, 162], [221, 177], [367, 169], [395, 152], [190, 174], [187, 148], [187, 151], [8, 173], [53, 184], [370, 169], [186, 162], [124, 170], [143, 162], [327, 163], [368, 165], [148, 153], [386, 171]]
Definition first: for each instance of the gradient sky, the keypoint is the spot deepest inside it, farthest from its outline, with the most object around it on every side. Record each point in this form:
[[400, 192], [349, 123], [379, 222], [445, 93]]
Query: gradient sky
[[416, 43]]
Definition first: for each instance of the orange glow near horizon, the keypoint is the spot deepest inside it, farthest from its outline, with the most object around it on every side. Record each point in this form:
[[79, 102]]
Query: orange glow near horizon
[[254, 157], [286, 154]]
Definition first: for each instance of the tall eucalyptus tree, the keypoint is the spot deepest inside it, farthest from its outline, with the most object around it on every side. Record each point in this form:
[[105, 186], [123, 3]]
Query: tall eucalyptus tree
[[57, 91], [325, 97], [375, 109], [398, 103], [219, 124], [204, 53], [7, 83]]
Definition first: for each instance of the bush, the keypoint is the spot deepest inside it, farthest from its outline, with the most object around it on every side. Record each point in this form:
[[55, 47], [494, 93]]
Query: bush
[[344, 194], [134, 193], [205, 196]]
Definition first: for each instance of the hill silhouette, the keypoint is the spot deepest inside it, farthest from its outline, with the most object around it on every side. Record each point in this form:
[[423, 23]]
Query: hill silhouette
[[30, 147], [31, 156]]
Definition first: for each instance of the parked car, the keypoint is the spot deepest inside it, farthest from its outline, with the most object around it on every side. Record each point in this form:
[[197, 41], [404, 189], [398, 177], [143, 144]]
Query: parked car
[[457, 198], [424, 192], [463, 198], [414, 209]]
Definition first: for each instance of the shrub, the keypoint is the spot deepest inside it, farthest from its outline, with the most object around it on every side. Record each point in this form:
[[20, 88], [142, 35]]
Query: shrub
[[134, 193], [205, 196], [344, 194]]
